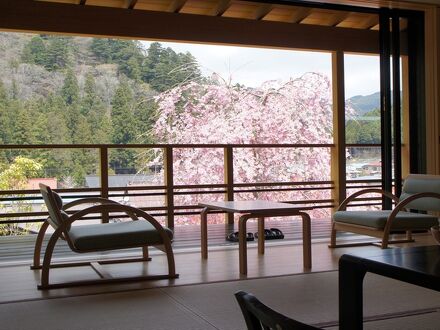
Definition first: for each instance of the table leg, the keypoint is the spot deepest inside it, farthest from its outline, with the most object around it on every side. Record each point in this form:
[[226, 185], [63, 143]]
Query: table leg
[[204, 232], [261, 235], [351, 275], [242, 243], [307, 240]]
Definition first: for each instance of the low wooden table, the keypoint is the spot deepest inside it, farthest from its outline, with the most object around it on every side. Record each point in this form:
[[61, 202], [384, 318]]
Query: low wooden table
[[416, 265], [260, 210]]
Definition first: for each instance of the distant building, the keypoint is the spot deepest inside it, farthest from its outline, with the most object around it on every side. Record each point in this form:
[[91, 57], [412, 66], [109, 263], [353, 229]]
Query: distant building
[[120, 180], [374, 167], [33, 183]]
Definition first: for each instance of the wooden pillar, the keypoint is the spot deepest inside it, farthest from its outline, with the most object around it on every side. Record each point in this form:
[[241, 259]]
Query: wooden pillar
[[338, 153], [169, 184], [405, 118], [103, 170], [229, 180]]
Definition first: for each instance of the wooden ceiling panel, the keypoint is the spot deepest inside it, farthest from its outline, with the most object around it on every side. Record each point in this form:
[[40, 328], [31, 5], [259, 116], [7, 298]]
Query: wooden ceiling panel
[[153, 5], [220, 7], [199, 7], [324, 17], [359, 21], [75, 2], [108, 3], [246, 10]]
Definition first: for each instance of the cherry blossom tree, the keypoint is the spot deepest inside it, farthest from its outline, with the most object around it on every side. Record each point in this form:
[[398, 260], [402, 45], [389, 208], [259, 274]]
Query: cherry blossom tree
[[298, 111]]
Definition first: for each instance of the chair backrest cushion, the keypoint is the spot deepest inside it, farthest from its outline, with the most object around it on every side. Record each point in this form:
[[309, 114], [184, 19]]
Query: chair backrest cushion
[[419, 183]]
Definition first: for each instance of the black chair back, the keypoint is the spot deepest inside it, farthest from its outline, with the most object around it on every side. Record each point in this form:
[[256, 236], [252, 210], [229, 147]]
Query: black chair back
[[260, 317]]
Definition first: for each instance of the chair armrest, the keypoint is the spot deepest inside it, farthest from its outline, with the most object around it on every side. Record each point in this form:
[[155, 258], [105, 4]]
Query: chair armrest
[[352, 197], [116, 207], [88, 200], [402, 204]]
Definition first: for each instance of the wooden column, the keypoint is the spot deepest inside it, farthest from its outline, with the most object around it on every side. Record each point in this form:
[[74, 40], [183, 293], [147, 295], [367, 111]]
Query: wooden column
[[229, 180], [103, 170], [405, 118], [338, 158], [169, 183]]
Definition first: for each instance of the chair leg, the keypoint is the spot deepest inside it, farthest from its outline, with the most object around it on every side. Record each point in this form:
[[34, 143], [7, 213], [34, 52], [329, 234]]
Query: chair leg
[[47, 259], [385, 240], [38, 244], [333, 237], [145, 254], [170, 258]]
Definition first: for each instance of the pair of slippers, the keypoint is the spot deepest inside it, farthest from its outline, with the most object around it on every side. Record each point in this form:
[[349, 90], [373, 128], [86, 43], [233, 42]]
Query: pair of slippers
[[233, 237], [272, 233]]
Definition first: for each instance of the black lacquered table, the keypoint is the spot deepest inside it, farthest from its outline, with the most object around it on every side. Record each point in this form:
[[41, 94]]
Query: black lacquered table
[[415, 265]]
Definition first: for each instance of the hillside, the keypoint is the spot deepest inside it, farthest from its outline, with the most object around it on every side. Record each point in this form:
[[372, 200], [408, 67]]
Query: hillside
[[364, 103], [79, 90]]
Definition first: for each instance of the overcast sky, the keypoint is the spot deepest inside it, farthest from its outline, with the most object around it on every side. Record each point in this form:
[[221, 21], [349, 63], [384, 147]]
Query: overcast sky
[[253, 66]]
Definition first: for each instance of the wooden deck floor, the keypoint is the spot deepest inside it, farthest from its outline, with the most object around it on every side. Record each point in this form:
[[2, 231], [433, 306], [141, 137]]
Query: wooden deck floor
[[282, 257], [19, 249]]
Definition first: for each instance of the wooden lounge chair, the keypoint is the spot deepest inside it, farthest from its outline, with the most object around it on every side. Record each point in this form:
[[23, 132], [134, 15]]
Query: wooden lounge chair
[[142, 231], [420, 192], [260, 317]]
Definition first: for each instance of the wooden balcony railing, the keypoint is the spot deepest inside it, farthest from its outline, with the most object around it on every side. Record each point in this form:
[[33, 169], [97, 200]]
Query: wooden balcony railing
[[169, 190]]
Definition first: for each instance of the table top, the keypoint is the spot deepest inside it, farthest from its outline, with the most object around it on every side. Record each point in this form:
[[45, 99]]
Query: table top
[[418, 265], [255, 206]]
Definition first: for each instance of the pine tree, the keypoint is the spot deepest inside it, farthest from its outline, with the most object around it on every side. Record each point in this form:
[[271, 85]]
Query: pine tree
[[34, 52], [123, 128], [58, 53], [94, 110], [70, 95], [70, 89], [5, 116]]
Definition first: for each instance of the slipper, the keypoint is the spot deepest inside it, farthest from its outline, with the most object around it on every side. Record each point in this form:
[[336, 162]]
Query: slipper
[[278, 234], [268, 234], [233, 237]]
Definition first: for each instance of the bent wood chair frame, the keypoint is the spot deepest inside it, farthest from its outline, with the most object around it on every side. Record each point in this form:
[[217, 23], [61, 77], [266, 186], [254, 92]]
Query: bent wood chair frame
[[258, 316], [384, 233], [61, 232]]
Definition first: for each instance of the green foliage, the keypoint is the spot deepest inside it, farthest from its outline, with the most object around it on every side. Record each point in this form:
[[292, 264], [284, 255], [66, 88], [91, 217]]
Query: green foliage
[[34, 52], [14, 177], [127, 54], [58, 53], [365, 130], [123, 127], [70, 90], [79, 112], [165, 69]]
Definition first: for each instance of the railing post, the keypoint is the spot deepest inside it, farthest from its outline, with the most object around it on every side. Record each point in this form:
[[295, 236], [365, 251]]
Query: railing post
[[338, 160], [229, 180], [103, 170], [169, 183]]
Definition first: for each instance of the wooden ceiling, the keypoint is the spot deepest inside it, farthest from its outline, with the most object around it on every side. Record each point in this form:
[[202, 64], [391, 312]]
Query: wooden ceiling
[[244, 10]]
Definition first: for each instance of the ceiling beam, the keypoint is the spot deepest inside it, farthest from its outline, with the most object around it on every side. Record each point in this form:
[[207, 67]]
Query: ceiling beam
[[262, 11], [300, 14], [176, 5], [131, 4], [220, 8], [20, 15], [339, 18]]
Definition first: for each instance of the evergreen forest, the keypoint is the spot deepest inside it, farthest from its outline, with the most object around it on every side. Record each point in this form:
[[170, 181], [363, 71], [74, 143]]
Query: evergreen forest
[[76, 90]]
